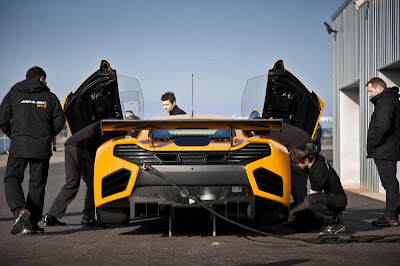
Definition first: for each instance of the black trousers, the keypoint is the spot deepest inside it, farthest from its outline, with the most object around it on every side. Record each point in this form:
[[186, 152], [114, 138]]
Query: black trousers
[[387, 172], [328, 206], [298, 188], [78, 163], [39, 169]]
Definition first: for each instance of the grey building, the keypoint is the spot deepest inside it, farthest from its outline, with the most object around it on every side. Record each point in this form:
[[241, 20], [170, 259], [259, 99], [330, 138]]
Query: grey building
[[366, 44]]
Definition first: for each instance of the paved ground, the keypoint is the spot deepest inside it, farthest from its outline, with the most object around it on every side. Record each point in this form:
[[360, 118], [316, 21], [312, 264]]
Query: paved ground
[[147, 243]]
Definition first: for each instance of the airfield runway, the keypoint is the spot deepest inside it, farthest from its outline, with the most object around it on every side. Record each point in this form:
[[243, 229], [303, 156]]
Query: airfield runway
[[147, 242]]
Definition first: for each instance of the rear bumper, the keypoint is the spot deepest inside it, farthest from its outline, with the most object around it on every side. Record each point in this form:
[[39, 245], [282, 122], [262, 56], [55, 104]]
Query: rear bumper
[[194, 175]]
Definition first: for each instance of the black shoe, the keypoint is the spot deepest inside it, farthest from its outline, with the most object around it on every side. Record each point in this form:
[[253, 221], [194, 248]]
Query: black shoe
[[50, 220], [33, 231], [383, 222], [333, 229], [22, 218], [89, 222]]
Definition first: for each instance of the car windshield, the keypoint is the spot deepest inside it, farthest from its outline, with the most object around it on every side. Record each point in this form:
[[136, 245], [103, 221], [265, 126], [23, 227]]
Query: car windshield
[[174, 133], [254, 95]]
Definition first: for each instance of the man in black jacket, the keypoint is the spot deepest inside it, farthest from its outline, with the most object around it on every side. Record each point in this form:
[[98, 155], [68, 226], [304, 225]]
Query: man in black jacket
[[383, 144], [330, 200], [80, 153], [31, 116], [169, 104]]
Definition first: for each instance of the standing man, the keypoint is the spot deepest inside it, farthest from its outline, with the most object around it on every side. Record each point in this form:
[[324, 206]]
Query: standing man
[[31, 116], [80, 153], [383, 144], [169, 104], [317, 139]]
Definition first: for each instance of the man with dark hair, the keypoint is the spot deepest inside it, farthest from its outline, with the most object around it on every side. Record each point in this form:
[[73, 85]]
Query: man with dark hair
[[31, 116], [80, 153], [36, 73], [169, 104], [383, 145], [330, 200]]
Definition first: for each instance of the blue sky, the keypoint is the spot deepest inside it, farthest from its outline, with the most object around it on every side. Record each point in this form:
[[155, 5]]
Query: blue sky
[[162, 43]]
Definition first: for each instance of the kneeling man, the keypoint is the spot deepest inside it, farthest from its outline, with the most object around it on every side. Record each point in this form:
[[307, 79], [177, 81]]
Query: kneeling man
[[330, 200]]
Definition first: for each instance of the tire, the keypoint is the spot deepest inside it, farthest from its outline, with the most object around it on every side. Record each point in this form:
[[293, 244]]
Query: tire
[[270, 213], [112, 216]]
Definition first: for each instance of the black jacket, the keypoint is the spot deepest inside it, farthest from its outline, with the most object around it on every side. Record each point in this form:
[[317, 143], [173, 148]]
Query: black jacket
[[177, 111], [384, 128], [324, 178], [31, 116], [290, 136], [91, 137]]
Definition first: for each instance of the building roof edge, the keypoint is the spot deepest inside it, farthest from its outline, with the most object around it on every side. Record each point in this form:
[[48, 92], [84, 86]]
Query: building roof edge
[[343, 6]]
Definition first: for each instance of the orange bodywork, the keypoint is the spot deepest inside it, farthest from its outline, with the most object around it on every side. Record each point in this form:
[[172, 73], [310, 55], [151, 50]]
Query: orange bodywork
[[106, 163]]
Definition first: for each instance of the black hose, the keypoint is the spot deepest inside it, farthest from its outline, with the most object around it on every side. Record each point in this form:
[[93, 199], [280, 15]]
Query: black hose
[[334, 239], [212, 211]]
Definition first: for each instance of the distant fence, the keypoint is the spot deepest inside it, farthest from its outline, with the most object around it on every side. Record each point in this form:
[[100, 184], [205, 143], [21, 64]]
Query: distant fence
[[4, 144], [326, 140], [327, 136]]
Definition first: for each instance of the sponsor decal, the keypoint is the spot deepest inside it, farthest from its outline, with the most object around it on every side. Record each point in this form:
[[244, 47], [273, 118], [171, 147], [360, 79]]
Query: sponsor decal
[[39, 104]]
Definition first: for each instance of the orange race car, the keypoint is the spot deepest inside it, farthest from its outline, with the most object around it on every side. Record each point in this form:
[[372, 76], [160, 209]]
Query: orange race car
[[177, 162]]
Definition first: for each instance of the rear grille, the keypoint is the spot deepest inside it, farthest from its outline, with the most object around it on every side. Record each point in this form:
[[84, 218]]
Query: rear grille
[[115, 182], [173, 194], [243, 156], [268, 182]]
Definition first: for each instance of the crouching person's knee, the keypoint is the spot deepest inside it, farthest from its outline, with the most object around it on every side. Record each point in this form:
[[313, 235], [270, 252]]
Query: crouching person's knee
[[308, 201], [312, 200]]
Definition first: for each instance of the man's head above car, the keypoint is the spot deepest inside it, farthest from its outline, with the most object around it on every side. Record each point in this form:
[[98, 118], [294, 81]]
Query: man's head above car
[[130, 115], [169, 104], [168, 101]]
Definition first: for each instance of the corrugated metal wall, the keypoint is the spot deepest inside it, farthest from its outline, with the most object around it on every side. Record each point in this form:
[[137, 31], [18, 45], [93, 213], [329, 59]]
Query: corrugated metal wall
[[366, 41]]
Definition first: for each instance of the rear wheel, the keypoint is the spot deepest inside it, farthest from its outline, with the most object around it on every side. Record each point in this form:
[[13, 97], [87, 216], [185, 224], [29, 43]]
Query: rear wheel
[[112, 215], [268, 212]]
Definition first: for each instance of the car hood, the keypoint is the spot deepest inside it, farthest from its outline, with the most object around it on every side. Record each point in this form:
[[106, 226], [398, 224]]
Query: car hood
[[280, 95]]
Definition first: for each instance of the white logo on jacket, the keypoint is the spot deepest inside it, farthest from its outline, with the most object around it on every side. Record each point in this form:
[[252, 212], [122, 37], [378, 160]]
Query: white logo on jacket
[[34, 102], [39, 104]]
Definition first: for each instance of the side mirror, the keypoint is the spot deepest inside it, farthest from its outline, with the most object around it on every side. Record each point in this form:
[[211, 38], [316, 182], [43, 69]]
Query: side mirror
[[254, 114]]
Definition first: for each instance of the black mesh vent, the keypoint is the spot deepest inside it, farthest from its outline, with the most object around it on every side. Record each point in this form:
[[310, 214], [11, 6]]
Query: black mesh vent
[[243, 156], [173, 194], [192, 141], [135, 154], [251, 152], [115, 182], [268, 182]]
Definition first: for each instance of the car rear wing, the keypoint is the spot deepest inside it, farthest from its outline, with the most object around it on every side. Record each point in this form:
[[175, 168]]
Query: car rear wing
[[229, 124]]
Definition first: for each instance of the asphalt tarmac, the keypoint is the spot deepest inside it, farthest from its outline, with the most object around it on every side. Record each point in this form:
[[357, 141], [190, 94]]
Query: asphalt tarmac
[[147, 242]]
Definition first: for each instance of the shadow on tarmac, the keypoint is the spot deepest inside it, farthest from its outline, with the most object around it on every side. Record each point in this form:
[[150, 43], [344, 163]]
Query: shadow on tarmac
[[356, 218]]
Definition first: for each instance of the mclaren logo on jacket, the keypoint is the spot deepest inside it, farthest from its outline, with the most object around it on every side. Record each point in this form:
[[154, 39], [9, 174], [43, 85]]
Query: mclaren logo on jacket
[[39, 104]]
